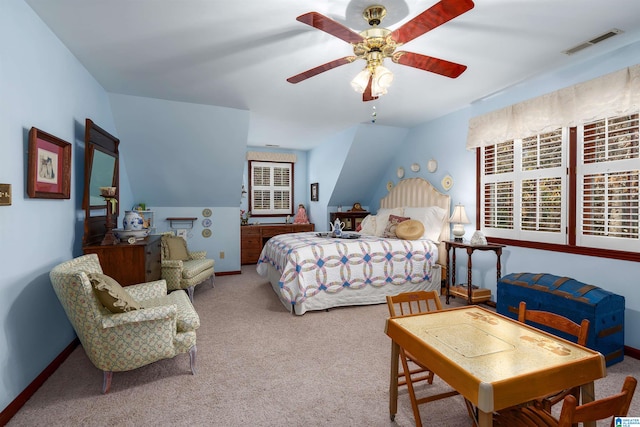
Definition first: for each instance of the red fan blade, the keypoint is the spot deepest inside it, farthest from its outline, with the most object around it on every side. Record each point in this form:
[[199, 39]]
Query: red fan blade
[[366, 95], [330, 26], [429, 63], [431, 18], [321, 69]]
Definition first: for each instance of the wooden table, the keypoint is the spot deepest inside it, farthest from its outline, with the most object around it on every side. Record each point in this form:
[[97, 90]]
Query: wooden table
[[473, 295], [493, 361]]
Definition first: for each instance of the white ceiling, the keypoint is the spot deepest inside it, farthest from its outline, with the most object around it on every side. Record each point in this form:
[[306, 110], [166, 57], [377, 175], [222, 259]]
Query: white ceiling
[[238, 54]]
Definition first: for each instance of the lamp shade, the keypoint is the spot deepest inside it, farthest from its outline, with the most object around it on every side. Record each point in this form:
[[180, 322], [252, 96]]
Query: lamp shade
[[360, 81], [382, 79], [459, 215]]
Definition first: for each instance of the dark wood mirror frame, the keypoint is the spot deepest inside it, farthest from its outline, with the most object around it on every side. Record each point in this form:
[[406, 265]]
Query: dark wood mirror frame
[[98, 143]]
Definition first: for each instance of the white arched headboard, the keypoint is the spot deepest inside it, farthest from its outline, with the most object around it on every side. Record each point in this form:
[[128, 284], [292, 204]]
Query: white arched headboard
[[418, 192]]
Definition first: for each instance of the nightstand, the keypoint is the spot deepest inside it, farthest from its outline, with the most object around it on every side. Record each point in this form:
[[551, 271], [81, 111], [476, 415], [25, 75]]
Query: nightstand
[[472, 293]]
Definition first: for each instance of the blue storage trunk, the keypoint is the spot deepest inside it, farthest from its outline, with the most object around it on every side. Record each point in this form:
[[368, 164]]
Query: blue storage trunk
[[572, 299]]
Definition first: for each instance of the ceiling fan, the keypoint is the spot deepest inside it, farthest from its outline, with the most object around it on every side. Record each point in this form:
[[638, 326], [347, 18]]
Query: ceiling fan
[[376, 43]]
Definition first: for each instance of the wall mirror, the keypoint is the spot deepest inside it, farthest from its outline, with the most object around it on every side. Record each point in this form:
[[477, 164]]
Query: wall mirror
[[103, 174], [101, 169]]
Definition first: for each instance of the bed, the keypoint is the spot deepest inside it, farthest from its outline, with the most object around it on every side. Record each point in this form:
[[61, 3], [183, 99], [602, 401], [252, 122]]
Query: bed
[[310, 271]]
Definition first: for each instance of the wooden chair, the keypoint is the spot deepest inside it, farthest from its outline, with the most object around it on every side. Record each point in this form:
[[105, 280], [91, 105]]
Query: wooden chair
[[412, 370], [571, 414], [559, 323]]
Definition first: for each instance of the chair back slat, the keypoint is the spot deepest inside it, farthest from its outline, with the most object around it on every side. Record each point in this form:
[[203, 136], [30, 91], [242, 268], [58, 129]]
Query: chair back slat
[[413, 303], [555, 321], [607, 407]]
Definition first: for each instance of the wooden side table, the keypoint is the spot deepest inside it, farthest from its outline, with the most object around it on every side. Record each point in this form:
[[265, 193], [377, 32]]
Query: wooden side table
[[473, 294]]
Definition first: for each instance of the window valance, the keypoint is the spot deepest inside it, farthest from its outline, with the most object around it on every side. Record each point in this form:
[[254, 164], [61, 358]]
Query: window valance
[[617, 93], [267, 156]]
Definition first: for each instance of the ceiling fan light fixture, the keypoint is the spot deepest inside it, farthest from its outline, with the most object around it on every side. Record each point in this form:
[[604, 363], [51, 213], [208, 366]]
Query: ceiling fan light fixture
[[361, 80], [381, 81], [383, 77]]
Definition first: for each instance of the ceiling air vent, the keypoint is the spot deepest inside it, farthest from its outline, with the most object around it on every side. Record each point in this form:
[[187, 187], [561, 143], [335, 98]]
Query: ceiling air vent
[[593, 41]]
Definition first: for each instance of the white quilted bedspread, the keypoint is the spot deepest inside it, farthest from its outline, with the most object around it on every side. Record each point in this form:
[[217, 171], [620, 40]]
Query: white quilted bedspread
[[309, 264]]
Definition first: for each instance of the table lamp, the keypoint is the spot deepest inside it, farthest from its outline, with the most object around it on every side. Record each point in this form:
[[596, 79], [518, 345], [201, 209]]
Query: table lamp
[[458, 218]]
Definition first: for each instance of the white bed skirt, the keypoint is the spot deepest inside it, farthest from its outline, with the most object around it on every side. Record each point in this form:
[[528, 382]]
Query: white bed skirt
[[348, 296]]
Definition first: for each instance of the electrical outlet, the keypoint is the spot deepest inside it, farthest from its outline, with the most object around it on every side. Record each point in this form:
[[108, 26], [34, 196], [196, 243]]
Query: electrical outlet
[[221, 254]]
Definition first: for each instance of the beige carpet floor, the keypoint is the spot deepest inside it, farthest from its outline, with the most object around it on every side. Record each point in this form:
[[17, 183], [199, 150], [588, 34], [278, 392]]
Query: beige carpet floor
[[258, 365]]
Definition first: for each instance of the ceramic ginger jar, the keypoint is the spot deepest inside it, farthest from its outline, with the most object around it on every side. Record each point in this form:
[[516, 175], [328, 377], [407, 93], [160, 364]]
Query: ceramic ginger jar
[[132, 221]]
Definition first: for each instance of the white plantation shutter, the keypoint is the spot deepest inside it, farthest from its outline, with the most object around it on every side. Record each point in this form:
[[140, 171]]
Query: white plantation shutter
[[543, 188], [524, 186], [608, 179], [498, 189], [271, 188]]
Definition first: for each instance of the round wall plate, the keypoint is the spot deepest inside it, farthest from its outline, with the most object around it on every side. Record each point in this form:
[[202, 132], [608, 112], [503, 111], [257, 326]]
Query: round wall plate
[[389, 185], [400, 172], [206, 212], [206, 222], [432, 165], [415, 167], [447, 182], [206, 232]]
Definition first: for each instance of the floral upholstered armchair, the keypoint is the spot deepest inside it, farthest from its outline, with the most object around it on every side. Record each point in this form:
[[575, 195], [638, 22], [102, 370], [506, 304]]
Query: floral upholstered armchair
[[181, 268], [124, 328]]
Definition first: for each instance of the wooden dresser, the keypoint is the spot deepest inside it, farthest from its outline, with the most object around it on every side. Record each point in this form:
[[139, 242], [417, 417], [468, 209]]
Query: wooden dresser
[[253, 238], [130, 264]]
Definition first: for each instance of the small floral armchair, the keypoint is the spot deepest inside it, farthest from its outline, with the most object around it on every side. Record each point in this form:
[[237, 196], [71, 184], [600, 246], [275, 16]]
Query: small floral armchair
[[182, 268], [115, 342]]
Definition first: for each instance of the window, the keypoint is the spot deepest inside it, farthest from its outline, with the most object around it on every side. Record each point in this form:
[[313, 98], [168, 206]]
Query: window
[[576, 187], [607, 177], [270, 188], [523, 188]]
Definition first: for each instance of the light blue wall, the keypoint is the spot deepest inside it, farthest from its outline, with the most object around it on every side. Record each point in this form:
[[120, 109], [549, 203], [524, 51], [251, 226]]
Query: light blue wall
[[225, 235], [41, 85], [300, 184], [181, 154], [325, 163], [445, 140]]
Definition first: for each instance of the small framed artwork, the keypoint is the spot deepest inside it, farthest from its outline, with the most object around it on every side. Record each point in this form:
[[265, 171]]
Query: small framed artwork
[[314, 192], [49, 171]]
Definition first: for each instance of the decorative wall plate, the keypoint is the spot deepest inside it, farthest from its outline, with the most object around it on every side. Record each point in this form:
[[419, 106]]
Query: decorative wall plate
[[432, 165], [206, 232], [206, 212], [447, 182], [389, 185], [415, 167], [206, 222], [400, 172]]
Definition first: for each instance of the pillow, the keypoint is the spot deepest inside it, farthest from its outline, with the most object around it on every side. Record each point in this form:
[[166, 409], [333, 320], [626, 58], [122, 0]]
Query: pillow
[[111, 294], [392, 224], [176, 248], [383, 217], [410, 229], [368, 225], [433, 218]]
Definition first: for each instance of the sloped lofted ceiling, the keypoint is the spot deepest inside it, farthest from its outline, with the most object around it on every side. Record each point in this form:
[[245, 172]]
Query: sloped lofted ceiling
[[179, 154], [238, 54], [369, 155]]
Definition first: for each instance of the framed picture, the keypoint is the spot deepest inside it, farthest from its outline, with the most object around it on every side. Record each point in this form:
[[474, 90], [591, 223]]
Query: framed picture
[[49, 171], [314, 192]]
